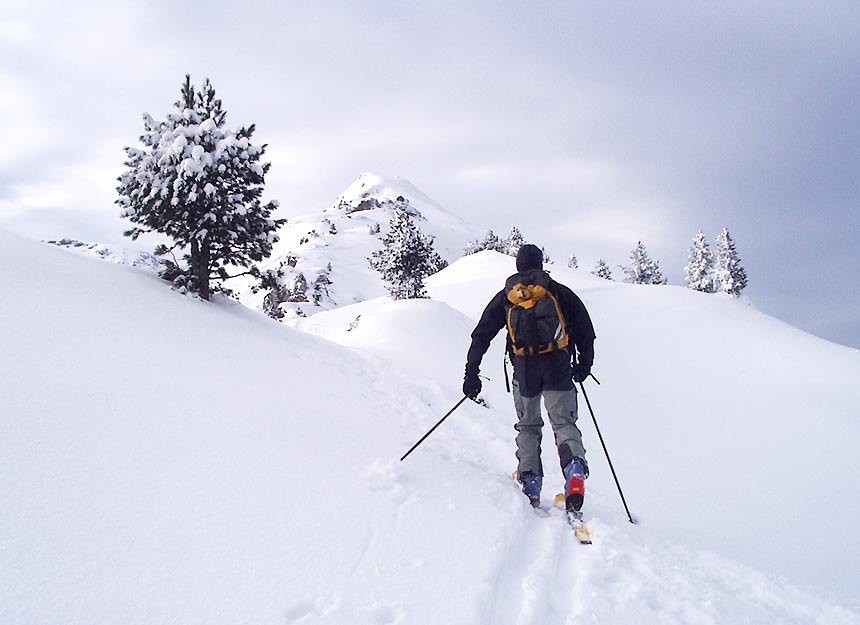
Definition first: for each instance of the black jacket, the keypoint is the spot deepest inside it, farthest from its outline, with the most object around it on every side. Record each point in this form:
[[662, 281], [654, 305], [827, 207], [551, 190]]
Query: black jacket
[[550, 371]]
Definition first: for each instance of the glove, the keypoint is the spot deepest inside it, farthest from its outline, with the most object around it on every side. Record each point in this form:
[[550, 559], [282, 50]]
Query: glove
[[471, 384], [580, 373]]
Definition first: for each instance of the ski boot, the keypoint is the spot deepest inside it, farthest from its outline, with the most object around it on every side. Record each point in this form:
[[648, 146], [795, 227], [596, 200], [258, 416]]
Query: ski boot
[[531, 485], [574, 479]]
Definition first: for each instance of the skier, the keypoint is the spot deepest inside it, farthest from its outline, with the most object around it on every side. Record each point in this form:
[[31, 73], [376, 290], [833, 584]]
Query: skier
[[551, 348]]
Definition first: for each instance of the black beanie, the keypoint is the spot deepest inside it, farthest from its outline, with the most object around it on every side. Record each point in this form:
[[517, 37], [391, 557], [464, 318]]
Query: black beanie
[[529, 257]]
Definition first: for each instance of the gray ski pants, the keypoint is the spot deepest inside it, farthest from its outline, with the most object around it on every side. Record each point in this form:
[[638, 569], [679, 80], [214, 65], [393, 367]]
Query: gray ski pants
[[561, 408]]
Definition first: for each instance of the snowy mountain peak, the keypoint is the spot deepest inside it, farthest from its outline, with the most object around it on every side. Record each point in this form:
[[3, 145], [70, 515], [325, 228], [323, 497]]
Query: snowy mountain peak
[[369, 190], [322, 257]]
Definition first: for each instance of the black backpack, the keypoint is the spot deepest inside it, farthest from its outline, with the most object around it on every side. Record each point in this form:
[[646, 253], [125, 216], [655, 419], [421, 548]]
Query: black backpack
[[535, 322]]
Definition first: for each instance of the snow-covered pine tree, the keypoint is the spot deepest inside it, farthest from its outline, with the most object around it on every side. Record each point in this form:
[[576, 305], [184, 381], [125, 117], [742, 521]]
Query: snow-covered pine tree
[[471, 248], [299, 291], [276, 293], [643, 270], [572, 262], [511, 246], [489, 242], [406, 258], [729, 276], [601, 270], [699, 272], [200, 184], [321, 284], [546, 259]]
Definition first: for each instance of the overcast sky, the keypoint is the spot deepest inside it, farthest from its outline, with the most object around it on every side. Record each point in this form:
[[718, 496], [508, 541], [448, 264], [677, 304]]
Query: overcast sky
[[588, 124]]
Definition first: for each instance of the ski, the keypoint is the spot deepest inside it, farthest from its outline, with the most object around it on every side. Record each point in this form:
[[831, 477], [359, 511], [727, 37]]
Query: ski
[[580, 531], [574, 519]]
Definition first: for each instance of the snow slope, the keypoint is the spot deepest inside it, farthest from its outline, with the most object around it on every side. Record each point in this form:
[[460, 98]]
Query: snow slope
[[730, 428], [711, 409], [167, 460]]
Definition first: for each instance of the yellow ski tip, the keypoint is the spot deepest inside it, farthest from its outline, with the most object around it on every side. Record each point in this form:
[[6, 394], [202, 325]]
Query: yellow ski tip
[[582, 534]]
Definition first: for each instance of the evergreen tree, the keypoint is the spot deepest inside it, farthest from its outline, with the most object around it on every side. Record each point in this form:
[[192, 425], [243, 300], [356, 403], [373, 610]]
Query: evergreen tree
[[546, 259], [321, 285], [489, 242], [299, 291], [699, 272], [643, 270], [511, 246], [276, 293], [200, 184], [406, 258], [572, 262], [602, 270], [729, 276]]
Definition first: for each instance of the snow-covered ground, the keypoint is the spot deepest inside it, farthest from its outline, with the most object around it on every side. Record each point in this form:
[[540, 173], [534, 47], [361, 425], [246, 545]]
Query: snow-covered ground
[[165, 460]]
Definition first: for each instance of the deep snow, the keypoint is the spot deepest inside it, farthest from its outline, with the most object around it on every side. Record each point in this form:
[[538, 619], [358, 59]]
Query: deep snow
[[167, 460]]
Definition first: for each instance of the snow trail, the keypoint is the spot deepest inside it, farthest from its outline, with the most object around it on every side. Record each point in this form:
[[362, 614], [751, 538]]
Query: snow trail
[[520, 582]]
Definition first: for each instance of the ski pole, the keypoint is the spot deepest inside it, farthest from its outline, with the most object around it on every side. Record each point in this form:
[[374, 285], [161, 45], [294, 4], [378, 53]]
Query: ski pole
[[434, 427], [605, 451]]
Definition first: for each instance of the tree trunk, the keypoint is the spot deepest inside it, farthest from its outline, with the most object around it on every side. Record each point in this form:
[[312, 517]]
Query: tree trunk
[[200, 265], [203, 276]]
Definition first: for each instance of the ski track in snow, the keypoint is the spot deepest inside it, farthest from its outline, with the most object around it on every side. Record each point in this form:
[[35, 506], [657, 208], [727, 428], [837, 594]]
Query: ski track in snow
[[628, 575], [525, 574]]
